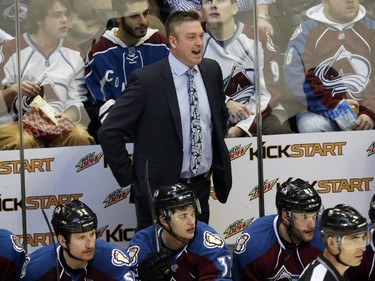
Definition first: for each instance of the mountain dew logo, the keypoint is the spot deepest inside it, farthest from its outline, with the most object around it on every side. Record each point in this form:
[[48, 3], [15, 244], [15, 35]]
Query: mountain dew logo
[[101, 230], [238, 151], [116, 196], [371, 149], [237, 227], [268, 185], [88, 160]]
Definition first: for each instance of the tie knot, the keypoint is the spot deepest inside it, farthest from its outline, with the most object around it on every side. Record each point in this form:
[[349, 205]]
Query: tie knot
[[190, 72]]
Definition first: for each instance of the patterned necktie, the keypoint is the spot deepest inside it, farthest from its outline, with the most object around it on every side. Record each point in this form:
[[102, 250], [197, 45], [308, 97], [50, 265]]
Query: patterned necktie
[[195, 124]]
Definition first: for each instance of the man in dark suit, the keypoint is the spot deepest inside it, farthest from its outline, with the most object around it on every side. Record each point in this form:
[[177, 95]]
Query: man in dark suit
[[155, 110]]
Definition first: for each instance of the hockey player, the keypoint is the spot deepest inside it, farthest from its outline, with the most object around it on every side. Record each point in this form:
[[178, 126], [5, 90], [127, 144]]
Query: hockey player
[[344, 233], [191, 250], [279, 247], [118, 52], [79, 255], [12, 256], [366, 270], [329, 67]]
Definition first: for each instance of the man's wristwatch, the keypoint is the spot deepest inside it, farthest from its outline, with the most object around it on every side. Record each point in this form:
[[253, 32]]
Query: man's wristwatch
[[264, 16]]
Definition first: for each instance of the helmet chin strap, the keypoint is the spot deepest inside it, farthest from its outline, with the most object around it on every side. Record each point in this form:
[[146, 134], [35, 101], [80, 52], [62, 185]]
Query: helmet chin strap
[[67, 250], [288, 228], [170, 231]]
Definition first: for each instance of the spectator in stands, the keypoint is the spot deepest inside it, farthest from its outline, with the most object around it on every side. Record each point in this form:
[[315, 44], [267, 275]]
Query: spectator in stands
[[190, 249], [88, 25], [12, 256], [344, 233], [79, 254], [366, 271], [279, 247], [131, 45], [231, 44], [329, 68], [50, 67], [243, 6]]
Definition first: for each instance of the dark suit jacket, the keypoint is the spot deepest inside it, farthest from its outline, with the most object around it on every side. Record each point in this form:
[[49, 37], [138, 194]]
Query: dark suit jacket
[[148, 109]]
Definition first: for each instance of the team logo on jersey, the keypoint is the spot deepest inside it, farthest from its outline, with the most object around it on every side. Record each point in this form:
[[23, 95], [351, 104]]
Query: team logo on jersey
[[267, 186], [371, 149], [116, 196], [284, 275], [119, 258], [345, 72], [16, 243], [211, 240], [133, 254], [238, 151], [88, 161], [238, 85], [237, 227], [241, 242]]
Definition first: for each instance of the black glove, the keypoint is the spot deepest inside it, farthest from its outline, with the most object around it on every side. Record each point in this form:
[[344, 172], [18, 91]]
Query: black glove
[[156, 267]]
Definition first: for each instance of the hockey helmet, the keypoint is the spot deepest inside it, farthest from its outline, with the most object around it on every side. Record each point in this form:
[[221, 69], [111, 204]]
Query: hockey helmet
[[342, 220], [167, 198], [74, 217], [297, 196]]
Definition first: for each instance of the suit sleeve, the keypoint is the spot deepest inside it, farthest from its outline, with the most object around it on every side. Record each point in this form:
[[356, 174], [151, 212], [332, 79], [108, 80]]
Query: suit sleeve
[[119, 125]]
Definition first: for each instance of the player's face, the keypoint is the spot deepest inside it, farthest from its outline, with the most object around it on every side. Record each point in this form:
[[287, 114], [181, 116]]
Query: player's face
[[303, 225], [56, 23], [352, 248], [341, 11], [135, 20], [218, 11], [183, 223], [82, 245], [187, 46]]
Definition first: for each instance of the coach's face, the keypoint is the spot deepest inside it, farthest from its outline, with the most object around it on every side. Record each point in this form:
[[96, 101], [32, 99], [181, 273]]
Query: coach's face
[[341, 11], [187, 45]]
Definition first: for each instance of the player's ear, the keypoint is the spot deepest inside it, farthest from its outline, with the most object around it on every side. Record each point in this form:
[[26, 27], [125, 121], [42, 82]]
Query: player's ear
[[331, 243], [62, 241]]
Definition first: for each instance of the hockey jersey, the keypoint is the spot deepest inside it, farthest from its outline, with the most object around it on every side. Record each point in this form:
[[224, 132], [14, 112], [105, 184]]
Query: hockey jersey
[[12, 256], [236, 58], [110, 263], [326, 62], [61, 73], [205, 257], [260, 253], [110, 62]]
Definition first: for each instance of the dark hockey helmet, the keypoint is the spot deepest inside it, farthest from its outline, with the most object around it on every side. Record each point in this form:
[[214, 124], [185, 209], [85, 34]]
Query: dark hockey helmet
[[297, 196], [371, 211], [167, 198], [342, 220], [74, 217]]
